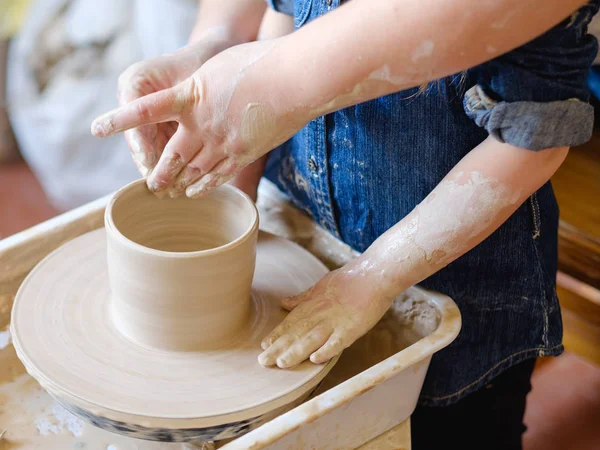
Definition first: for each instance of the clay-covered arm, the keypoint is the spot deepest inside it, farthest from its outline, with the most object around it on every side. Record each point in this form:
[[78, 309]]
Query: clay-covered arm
[[468, 205], [369, 48], [248, 99], [274, 25]]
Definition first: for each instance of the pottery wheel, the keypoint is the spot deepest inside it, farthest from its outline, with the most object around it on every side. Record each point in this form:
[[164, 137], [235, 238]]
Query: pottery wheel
[[63, 333]]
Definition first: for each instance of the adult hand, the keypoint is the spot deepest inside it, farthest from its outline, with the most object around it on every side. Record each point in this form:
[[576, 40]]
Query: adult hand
[[229, 113], [326, 318], [147, 142]]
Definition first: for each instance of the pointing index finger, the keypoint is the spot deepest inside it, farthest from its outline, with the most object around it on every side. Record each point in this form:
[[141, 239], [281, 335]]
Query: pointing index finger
[[161, 106]]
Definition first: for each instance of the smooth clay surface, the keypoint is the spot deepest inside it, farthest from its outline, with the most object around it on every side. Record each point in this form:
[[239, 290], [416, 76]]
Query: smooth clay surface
[[62, 310], [33, 420], [180, 270]]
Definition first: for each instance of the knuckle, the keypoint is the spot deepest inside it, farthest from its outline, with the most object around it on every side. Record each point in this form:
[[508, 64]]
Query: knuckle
[[186, 96], [230, 168], [174, 159], [160, 179], [336, 343], [143, 112], [196, 90], [289, 337], [320, 331], [304, 325], [195, 168]]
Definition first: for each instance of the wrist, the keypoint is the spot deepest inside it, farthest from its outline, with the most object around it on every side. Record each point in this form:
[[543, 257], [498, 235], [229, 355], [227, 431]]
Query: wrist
[[374, 268], [366, 271]]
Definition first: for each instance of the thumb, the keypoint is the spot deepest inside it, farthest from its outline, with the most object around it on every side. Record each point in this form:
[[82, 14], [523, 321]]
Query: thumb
[[161, 106]]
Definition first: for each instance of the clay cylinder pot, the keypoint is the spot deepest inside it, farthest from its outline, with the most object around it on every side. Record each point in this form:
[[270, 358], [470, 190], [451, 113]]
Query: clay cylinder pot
[[180, 270]]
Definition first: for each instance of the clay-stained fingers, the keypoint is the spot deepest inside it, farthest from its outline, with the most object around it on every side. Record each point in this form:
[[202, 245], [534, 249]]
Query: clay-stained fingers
[[333, 347], [220, 174], [300, 350], [158, 107], [277, 332], [269, 356], [179, 151], [144, 153], [200, 165]]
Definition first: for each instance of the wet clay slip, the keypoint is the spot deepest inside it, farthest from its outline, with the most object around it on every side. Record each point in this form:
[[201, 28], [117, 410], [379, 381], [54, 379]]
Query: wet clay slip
[[151, 327]]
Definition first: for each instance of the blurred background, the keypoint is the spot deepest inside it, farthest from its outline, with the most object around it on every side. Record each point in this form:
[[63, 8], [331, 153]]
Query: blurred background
[[59, 64]]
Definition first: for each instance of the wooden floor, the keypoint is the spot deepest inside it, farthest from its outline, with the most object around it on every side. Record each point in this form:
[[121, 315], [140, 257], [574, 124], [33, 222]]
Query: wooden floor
[[563, 409], [577, 187]]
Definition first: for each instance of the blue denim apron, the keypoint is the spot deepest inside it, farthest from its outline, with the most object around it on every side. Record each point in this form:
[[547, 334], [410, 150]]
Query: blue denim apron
[[360, 170]]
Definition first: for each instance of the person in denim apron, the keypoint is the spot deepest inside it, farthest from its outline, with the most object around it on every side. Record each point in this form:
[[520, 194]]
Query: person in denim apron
[[442, 180]]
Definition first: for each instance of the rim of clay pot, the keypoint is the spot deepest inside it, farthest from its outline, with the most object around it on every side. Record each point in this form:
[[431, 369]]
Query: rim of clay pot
[[111, 227]]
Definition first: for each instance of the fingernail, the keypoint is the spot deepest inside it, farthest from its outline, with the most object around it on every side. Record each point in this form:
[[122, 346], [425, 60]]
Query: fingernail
[[102, 126], [266, 343], [265, 360], [153, 186], [195, 191], [314, 358], [156, 188], [281, 363]]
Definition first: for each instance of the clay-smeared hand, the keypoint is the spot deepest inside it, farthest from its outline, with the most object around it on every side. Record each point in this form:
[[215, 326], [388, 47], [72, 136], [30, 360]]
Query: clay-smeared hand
[[226, 120], [326, 318], [147, 142]]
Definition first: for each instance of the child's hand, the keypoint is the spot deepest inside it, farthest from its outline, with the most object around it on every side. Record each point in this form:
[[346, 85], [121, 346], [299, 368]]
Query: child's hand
[[147, 142], [228, 117], [327, 318]]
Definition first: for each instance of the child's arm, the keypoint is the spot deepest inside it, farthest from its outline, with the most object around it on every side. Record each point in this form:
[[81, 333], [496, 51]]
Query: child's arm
[[468, 205], [250, 98]]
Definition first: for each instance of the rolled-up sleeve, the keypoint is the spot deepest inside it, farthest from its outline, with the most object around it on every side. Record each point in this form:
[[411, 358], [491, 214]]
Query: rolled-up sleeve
[[536, 97]]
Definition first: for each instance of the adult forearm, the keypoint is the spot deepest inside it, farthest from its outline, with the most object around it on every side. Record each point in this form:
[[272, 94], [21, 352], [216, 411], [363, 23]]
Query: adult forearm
[[468, 205], [386, 46], [238, 19], [274, 25]]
